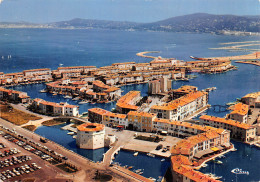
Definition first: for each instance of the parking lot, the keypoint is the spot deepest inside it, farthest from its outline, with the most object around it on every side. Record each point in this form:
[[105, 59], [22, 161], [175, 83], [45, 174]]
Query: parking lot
[[18, 162]]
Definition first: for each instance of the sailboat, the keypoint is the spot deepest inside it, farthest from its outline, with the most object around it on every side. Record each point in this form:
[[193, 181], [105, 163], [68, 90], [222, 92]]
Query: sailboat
[[3, 57]]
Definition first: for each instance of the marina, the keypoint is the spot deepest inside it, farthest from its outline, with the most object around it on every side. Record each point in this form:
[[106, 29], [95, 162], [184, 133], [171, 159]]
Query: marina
[[221, 96]]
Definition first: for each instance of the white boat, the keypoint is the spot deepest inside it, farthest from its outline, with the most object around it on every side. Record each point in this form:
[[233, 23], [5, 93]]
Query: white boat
[[83, 102], [136, 154], [234, 149], [3, 57], [67, 97], [153, 179], [74, 136], [43, 91], [162, 160], [150, 155], [204, 165], [76, 98], [71, 133]]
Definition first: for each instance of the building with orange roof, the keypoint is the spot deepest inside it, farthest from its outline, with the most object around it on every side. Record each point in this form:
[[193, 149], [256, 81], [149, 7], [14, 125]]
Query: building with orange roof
[[183, 107], [43, 74], [90, 136], [13, 95], [128, 102], [141, 121], [127, 65], [159, 86], [252, 99], [239, 112], [59, 109], [183, 90], [196, 147], [108, 118], [240, 131]]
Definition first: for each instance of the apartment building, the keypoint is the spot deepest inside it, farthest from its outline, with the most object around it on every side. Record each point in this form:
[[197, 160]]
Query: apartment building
[[13, 95], [181, 108], [252, 99], [240, 131], [239, 112], [128, 102], [59, 109]]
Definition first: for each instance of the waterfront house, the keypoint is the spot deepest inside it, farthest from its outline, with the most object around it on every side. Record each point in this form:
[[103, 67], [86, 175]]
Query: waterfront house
[[128, 102], [252, 100], [241, 131], [239, 112], [52, 108], [183, 107]]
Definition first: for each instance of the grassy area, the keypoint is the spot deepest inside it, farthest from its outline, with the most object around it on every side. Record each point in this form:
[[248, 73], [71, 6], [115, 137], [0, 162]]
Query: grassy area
[[16, 116], [52, 122], [30, 127]]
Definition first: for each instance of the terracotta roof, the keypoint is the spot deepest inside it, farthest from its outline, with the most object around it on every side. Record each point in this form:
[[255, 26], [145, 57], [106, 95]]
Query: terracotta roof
[[75, 67], [100, 84], [90, 127], [141, 114], [226, 121], [239, 108], [252, 95], [125, 101], [34, 70], [112, 89], [184, 100], [104, 112], [184, 147]]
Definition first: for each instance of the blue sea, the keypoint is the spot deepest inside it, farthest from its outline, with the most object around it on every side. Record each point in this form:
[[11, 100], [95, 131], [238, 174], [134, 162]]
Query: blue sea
[[47, 48]]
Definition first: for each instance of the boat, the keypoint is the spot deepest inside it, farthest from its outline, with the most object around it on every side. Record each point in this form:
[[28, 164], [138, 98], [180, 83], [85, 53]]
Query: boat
[[234, 149], [54, 94], [204, 165], [150, 155], [217, 177], [130, 167], [3, 57], [221, 156], [83, 102], [136, 154], [162, 160], [76, 98], [219, 162], [43, 91], [74, 136], [153, 179], [71, 133], [67, 97]]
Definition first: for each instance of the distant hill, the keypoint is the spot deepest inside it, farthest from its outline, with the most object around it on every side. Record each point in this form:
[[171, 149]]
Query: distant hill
[[202, 22], [88, 23], [199, 22]]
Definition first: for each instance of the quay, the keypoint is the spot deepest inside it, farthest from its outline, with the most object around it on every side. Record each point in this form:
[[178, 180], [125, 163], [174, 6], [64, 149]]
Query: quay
[[86, 168]]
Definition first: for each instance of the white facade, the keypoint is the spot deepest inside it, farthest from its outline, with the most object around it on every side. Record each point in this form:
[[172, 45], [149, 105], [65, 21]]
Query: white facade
[[89, 137]]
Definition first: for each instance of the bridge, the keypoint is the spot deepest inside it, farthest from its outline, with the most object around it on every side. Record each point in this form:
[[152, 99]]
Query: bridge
[[219, 108]]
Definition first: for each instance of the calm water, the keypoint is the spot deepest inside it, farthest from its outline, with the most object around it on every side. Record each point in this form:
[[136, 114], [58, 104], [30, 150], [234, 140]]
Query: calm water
[[246, 158], [49, 48], [56, 134], [153, 166]]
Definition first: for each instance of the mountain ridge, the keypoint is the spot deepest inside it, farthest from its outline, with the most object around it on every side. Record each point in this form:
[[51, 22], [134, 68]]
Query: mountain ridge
[[198, 22]]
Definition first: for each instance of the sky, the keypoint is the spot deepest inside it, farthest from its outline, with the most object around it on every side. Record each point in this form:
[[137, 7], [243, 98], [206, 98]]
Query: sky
[[45, 11]]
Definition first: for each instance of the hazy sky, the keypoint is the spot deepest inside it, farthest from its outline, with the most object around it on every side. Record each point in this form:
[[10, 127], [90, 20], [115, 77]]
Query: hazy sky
[[126, 10]]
